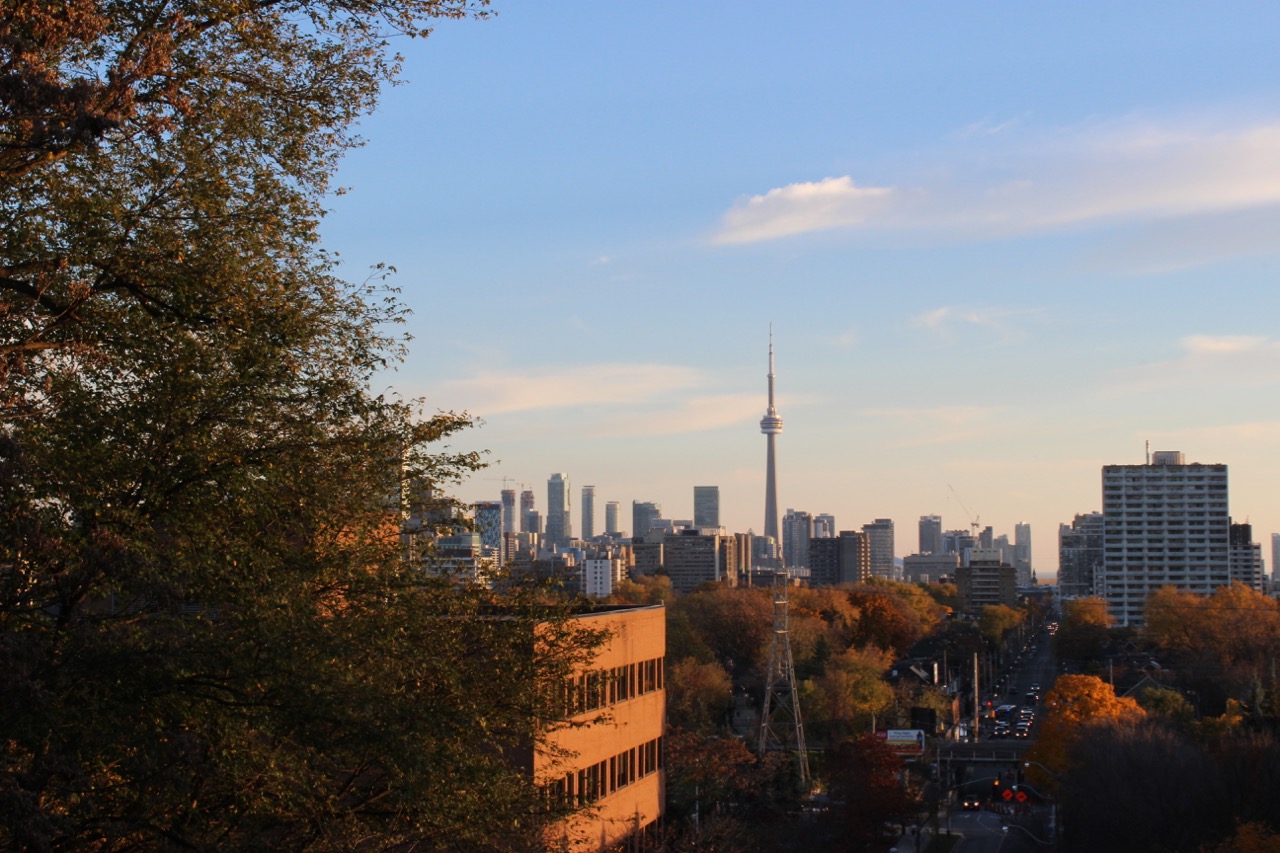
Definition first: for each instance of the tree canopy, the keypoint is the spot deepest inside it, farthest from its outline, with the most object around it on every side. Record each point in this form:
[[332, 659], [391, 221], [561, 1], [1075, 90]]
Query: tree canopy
[[209, 635]]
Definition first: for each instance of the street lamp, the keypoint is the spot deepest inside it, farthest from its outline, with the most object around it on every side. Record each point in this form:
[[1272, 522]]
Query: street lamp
[[1037, 839], [1053, 801]]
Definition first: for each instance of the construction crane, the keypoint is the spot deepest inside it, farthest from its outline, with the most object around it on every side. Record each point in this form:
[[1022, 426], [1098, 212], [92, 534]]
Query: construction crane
[[973, 519]]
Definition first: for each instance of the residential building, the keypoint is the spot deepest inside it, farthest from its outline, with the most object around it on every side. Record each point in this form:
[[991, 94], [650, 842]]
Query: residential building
[[526, 508], [1022, 553], [842, 559], [986, 580], [559, 529], [588, 513], [824, 526], [600, 577], [489, 528], [645, 516], [693, 557], [1165, 523], [1246, 558], [797, 530], [880, 539], [510, 520], [929, 568], [611, 527], [1079, 555]]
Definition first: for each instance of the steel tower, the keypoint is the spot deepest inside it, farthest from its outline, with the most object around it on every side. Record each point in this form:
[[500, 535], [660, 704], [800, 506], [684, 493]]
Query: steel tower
[[780, 725], [771, 425]]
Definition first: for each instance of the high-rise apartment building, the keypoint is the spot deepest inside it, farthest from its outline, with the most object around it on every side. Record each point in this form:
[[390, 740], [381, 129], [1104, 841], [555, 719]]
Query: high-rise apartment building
[[559, 525], [588, 512], [527, 524], [880, 539], [693, 558], [930, 534], [611, 519], [489, 527], [1246, 558], [845, 558], [824, 526], [510, 521], [706, 506], [1165, 523], [645, 516], [797, 530], [1079, 555], [1275, 560], [1022, 552]]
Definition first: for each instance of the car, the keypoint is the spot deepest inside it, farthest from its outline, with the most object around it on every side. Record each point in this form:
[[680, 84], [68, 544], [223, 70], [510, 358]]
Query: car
[[971, 803]]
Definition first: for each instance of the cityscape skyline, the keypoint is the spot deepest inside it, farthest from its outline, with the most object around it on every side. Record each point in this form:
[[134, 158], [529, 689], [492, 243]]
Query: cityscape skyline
[[1000, 249]]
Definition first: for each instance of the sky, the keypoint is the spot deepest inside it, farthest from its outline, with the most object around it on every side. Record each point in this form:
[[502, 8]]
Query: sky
[[1000, 245]]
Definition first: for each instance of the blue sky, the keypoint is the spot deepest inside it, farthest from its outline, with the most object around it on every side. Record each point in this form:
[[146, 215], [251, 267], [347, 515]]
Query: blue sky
[[1001, 245]]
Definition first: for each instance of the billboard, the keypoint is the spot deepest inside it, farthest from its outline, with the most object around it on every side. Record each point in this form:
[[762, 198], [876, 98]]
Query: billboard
[[904, 741]]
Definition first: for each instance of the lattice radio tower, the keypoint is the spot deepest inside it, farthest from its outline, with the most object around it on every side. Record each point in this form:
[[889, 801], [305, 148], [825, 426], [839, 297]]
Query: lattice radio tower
[[780, 725]]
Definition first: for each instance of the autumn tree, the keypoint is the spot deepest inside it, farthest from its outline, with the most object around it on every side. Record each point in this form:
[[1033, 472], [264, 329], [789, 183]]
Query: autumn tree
[[1074, 703], [1083, 633], [1225, 643], [868, 794], [997, 620], [845, 699], [209, 636], [699, 695]]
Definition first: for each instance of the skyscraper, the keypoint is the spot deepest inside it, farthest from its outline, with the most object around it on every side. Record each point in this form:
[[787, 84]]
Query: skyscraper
[[1022, 552], [588, 512], [611, 518], [771, 425], [1165, 523], [706, 506], [510, 523], [527, 524], [644, 517], [797, 530], [824, 526], [559, 525], [930, 534], [880, 539]]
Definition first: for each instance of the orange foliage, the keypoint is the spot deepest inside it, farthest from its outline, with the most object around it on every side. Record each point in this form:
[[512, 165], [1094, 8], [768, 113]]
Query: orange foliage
[[1074, 703]]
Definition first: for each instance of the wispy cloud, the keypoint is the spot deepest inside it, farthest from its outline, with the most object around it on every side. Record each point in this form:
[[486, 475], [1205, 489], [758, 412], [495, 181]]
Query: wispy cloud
[[697, 414], [801, 208], [997, 325], [1219, 360], [1015, 181], [494, 393]]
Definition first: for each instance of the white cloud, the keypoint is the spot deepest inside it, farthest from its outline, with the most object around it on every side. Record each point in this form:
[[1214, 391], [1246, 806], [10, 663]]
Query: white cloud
[[801, 208], [697, 414], [939, 424], [1013, 182]]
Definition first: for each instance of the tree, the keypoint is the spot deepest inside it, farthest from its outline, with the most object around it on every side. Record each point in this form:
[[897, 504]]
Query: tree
[[848, 694], [1077, 701], [996, 620], [209, 636], [868, 794], [699, 695], [1084, 632]]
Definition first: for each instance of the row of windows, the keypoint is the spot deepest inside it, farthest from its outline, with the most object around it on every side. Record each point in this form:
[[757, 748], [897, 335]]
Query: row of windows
[[584, 787], [600, 688]]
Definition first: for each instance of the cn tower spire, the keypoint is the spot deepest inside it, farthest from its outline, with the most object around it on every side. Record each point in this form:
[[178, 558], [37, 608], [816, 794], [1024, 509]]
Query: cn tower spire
[[771, 425]]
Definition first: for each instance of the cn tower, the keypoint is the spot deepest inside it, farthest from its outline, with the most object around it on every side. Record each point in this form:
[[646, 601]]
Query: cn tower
[[771, 425]]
